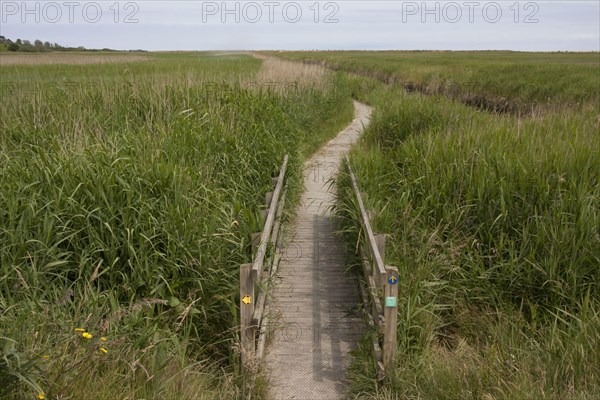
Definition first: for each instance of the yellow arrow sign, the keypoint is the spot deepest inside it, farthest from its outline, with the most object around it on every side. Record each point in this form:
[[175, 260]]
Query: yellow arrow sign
[[247, 299]]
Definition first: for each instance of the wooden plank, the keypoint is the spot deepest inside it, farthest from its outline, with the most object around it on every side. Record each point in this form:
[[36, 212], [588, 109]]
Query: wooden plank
[[259, 306], [246, 311], [266, 234], [277, 227], [366, 264], [254, 241], [378, 313], [379, 272], [391, 317], [380, 368], [263, 294]]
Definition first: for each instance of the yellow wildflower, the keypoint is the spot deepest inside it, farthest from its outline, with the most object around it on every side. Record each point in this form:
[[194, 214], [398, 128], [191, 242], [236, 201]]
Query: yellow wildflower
[[45, 356], [87, 335], [103, 339], [102, 349], [79, 330], [40, 396]]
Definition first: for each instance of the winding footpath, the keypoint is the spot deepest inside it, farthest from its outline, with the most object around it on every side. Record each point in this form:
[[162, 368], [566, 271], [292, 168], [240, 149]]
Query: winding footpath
[[314, 302]]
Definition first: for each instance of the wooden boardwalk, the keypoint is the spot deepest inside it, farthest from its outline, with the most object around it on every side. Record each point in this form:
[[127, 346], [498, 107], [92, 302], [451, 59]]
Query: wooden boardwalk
[[315, 321]]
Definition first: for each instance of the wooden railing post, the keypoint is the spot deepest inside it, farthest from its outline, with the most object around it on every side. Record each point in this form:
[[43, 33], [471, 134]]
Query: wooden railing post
[[263, 214], [378, 266], [255, 241], [391, 318], [268, 199], [253, 290], [381, 284], [246, 311], [270, 218], [370, 214]]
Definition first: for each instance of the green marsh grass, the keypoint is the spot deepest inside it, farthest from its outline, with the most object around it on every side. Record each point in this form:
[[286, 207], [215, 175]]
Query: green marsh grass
[[128, 194], [494, 224], [502, 81]]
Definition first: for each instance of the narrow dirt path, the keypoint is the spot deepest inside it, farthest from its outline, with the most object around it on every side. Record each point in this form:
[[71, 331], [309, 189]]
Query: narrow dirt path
[[314, 301]]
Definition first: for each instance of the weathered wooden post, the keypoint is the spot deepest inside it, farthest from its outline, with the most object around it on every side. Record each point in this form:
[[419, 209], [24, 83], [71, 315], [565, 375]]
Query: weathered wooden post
[[370, 214], [253, 293], [255, 241], [391, 318], [246, 311], [268, 198]]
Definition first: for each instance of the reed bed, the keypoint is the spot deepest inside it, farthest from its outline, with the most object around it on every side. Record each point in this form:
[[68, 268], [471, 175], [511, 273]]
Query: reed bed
[[288, 72], [128, 196], [494, 224], [497, 81]]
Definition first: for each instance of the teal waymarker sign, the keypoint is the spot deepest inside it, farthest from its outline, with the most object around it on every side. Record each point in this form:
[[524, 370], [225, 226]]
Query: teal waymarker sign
[[391, 302]]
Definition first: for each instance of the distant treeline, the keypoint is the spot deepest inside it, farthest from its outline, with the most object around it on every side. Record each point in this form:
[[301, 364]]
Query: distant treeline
[[23, 45]]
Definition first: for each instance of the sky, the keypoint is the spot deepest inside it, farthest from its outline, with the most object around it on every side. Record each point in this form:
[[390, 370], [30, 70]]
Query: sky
[[307, 25]]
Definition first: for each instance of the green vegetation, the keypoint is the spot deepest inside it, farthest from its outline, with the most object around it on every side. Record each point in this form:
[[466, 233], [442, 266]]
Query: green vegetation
[[37, 46], [494, 224], [128, 194], [495, 80]]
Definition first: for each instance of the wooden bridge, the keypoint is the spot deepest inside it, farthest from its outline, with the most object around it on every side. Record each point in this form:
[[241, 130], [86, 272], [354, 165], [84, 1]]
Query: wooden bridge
[[312, 317]]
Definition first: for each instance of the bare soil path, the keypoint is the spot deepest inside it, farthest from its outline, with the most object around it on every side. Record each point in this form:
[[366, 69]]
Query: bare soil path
[[314, 301]]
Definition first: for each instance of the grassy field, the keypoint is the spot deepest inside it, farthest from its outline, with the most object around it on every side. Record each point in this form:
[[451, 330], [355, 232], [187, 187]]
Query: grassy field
[[495, 80], [128, 194], [494, 224], [129, 191]]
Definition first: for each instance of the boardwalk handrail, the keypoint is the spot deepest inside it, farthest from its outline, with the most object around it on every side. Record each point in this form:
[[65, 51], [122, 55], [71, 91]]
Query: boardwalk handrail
[[381, 293], [266, 233], [252, 308], [373, 248]]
